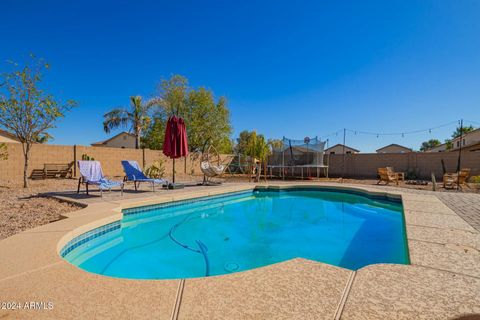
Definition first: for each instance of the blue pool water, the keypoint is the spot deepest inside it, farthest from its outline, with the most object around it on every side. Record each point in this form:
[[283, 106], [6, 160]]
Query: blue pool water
[[246, 230]]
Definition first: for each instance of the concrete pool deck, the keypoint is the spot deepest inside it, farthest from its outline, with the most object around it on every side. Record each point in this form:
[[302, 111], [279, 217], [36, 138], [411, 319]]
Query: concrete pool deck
[[443, 280]]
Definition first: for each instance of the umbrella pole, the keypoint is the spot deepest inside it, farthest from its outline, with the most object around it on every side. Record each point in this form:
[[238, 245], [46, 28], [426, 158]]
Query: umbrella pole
[[173, 180]]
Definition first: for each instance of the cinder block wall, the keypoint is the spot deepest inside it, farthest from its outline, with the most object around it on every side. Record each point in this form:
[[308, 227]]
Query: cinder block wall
[[364, 165], [355, 165], [12, 168]]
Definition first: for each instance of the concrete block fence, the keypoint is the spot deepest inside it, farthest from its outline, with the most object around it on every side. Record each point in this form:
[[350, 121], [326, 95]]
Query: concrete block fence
[[12, 168], [362, 165]]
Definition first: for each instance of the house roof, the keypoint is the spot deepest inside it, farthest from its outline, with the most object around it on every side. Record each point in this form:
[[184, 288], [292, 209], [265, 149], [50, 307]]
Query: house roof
[[473, 147], [394, 145], [341, 145], [455, 147], [437, 146], [467, 134], [8, 135], [111, 138]]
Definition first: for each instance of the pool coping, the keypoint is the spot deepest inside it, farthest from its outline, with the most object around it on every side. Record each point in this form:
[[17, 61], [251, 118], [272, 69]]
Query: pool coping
[[447, 249]]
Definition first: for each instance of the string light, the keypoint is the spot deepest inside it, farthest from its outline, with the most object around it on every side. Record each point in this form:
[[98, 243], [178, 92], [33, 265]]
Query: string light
[[324, 137], [471, 122], [378, 134], [402, 134]]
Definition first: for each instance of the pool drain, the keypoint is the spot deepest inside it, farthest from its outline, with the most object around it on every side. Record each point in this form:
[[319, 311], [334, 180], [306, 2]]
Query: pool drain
[[231, 266]]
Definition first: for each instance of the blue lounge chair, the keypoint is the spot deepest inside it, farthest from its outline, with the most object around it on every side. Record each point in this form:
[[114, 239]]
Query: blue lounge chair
[[91, 174], [135, 174]]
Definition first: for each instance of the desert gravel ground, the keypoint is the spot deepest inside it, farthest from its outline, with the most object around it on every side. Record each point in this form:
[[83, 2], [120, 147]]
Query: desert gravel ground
[[22, 209]]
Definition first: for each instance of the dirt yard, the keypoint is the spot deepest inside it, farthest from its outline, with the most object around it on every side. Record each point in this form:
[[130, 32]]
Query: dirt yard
[[22, 209]]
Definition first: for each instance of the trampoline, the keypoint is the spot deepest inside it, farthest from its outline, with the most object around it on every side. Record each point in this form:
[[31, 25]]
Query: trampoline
[[298, 158]]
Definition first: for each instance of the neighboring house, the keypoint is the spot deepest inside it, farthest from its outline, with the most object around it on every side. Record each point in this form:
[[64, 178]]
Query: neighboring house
[[473, 147], [6, 136], [394, 148], [121, 140], [338, 149], [468, 140], [440, 148]]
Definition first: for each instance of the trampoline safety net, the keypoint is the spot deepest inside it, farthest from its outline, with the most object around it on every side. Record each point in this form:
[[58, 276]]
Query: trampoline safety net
[[298, 158]]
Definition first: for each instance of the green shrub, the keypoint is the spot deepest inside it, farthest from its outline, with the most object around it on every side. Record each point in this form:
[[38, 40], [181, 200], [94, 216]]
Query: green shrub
[[475, 179], [86, 157], [156, 170]]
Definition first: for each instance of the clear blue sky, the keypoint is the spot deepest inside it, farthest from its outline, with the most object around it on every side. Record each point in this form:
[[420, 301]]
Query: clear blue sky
[[297, 69]]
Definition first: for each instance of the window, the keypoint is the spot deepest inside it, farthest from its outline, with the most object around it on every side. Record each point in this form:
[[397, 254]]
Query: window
[[463, 142], [332, 152], [348, 152], [124, 137], [458, 143]]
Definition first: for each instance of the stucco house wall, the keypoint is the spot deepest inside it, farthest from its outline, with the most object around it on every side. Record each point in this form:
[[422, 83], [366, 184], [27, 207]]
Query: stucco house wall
[[468, 139], [121, 140], [338, 149], [440, 148], [394, 148], [6, 137]]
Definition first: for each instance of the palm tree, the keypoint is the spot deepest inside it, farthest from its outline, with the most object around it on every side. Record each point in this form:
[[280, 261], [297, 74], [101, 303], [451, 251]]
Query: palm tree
[[136, 117]]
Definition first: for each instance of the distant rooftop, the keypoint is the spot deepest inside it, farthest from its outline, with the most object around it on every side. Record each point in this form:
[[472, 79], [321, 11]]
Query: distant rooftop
[[394, 146]]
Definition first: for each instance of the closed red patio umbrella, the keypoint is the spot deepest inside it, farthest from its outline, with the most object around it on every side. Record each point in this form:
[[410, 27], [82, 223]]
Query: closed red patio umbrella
[[175, 144]]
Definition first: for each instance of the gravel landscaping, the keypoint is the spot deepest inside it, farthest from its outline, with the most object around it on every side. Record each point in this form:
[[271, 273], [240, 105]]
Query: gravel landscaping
[[22, 209]]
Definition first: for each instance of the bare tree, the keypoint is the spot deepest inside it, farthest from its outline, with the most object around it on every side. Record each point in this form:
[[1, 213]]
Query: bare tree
[[28, 111]]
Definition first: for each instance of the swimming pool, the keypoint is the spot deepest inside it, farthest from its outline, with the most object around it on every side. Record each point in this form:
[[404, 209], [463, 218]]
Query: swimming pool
[[241, 231]]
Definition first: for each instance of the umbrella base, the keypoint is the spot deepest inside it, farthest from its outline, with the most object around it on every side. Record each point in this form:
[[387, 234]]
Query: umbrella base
[[176, 186], [209, 183]]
